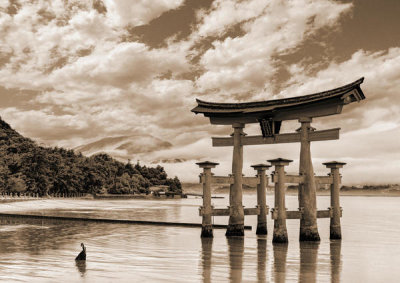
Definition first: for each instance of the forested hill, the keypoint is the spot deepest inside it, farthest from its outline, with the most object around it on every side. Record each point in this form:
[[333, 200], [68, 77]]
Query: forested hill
[[27, 167]]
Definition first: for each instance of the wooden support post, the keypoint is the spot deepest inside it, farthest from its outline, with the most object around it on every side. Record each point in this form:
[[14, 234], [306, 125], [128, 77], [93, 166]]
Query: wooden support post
[[335, 230], [280, 231], [261, 199], [307, 190], [236, 216], [206, 228]]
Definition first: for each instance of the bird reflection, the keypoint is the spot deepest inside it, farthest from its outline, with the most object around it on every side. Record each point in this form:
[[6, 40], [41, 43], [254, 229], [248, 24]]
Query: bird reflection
[[308, 262], [261, 258], [206, 253], [280, 254], [236, 252], [336, 264], [81, 265]]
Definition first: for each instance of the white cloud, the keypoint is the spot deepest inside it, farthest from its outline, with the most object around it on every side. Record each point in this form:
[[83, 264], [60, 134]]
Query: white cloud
[[246, 63], [138, 12], [87, 43], [92, 84], [225, 14], [86, 76]]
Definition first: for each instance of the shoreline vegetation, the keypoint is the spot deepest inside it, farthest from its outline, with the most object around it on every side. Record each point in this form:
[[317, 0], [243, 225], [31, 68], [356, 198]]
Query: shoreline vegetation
[[27, 168]]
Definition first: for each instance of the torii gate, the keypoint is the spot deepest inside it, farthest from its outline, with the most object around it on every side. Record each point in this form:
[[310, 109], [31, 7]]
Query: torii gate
[[270, 114]]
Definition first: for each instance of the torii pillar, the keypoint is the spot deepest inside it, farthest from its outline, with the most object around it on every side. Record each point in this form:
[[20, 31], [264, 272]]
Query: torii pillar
[[261, 199], [206, 225], [335, 230], [280, 230], [236, 210], [307, 190]]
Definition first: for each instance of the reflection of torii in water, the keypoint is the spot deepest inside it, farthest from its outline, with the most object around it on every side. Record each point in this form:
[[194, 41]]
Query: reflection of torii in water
[[270, 114]]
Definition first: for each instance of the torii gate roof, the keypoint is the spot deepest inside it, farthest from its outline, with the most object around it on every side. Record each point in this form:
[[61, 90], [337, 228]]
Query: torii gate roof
[[319, 104]]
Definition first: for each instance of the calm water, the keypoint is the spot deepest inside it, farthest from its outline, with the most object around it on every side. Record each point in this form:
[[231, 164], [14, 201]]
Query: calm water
[[44, 251]]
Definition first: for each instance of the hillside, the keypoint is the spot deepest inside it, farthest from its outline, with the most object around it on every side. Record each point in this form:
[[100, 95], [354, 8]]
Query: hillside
[[27, 167], [124, 147]]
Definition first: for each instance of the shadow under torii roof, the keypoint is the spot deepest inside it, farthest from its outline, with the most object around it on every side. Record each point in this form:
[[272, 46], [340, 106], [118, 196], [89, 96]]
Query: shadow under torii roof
[[319, 104]]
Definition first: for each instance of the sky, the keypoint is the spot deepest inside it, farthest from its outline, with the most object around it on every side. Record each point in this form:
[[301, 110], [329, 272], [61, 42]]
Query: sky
[[75, 72]]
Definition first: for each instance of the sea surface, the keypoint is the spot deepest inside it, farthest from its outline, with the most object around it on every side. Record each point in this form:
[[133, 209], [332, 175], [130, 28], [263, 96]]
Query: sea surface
[[44, 251]]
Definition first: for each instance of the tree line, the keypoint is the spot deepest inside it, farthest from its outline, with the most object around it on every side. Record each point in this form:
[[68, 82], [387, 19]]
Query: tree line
[[28, 167]]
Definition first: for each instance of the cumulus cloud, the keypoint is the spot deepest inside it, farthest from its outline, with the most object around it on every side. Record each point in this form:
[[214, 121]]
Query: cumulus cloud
[[126, 12], [82, 69], [80, 76], [246, 64]]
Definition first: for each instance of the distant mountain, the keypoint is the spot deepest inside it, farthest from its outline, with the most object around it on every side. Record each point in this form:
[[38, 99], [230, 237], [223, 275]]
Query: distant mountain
[[124, 146], [28, 167]]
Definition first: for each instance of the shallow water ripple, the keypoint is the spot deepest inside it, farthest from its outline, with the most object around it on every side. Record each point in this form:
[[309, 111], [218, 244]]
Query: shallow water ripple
[[44, 250]]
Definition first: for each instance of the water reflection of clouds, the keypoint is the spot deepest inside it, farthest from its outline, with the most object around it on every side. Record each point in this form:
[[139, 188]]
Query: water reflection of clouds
[[160, 210], [143, 249], [13, 228]]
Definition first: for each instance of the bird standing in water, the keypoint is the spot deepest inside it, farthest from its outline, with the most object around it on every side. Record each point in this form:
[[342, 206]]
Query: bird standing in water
[[82, 254]]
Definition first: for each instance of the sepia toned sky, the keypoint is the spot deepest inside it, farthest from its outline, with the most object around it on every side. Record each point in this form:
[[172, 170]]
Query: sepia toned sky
[[74, 72]]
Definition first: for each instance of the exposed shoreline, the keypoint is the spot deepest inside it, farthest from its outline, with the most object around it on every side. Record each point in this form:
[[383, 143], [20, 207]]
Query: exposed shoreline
[[216, 193], [197, 188]]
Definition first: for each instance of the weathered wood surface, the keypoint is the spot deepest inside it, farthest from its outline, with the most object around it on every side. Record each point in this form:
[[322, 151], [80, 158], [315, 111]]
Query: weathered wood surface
[[297, 179], [324, 179], [251, 181], [252, 211], [226, 211], [324, 213], [236, 217], [323, 135], [206, 230], [290, 214], [296, 214], [293, 214], [289, 179]]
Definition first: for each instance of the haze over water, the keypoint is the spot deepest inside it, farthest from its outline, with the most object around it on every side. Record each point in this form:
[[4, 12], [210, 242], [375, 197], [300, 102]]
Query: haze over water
[[44, 251]]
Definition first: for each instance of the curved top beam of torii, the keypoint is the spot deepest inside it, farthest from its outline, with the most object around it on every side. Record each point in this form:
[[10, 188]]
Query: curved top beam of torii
[[313, 105]]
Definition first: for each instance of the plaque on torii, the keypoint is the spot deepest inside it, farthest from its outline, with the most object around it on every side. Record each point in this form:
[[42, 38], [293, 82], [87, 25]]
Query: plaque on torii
[[270, 115]]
